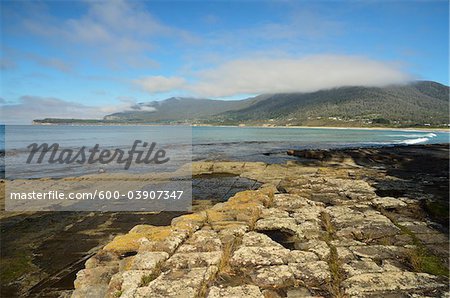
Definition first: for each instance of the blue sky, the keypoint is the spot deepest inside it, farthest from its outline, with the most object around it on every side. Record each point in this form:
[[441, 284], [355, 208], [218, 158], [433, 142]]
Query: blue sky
[[88, 59]]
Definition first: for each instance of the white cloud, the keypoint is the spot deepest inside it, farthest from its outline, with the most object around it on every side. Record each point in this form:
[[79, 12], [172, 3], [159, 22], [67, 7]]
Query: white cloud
[[157, 84], [116, 33], [259, 75], [54, 63], [34, 107], [12, 56], [147, 109]]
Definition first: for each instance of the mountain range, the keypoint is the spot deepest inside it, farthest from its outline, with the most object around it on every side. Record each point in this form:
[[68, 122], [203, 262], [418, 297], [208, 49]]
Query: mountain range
[[420, 103]]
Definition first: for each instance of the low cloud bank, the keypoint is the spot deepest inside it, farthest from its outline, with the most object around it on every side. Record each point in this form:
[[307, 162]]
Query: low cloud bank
[[256, 76], [29, 108]]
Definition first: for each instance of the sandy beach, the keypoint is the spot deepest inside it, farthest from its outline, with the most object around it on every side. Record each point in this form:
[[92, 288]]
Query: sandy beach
[[423, 129]]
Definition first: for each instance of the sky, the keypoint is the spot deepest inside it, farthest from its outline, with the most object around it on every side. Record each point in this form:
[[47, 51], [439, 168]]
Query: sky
[[87, 59]]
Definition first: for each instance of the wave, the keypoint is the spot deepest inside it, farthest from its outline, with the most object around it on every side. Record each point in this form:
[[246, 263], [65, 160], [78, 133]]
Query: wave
[[415, 141], [427, 135]]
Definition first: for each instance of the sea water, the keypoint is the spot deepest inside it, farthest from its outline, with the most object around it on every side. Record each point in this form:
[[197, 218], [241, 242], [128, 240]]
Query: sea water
[[208, 143]]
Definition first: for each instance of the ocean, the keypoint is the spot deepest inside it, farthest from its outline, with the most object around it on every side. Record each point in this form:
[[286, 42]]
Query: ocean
[[208, 143]]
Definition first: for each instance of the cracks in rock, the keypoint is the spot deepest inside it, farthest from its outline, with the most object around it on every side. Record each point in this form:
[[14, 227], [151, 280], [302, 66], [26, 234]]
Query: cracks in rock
[[127, 254], [148, 278], [229, 248], [328, 226], [337, 275], [225, 274], [285, 238], [420, 258], [254, 216]]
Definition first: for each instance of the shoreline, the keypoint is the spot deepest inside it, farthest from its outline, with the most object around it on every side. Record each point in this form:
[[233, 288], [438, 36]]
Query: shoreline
[[339, 127], [413, 129]]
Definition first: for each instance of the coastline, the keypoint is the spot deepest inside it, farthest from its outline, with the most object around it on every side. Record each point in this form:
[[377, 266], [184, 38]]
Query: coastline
[[336, 127], [413, 129]]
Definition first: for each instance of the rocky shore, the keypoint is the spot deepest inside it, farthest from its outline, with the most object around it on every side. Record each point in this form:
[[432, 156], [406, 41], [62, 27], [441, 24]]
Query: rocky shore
[[351, 223]]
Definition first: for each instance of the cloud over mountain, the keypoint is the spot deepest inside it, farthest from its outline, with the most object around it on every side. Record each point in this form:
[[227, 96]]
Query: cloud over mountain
[[266, 75]]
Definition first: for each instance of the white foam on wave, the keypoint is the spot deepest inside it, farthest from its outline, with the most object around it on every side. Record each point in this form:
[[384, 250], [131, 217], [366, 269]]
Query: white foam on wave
[[415, 141], [427, 135]]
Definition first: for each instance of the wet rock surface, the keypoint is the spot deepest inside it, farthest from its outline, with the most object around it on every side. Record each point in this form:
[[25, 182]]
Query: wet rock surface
[[310, 230]]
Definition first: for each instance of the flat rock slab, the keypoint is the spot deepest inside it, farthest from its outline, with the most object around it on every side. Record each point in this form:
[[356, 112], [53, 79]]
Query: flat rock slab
[[279, 276], [177, 283], [246, 257], [389, 283], [249, 291]]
